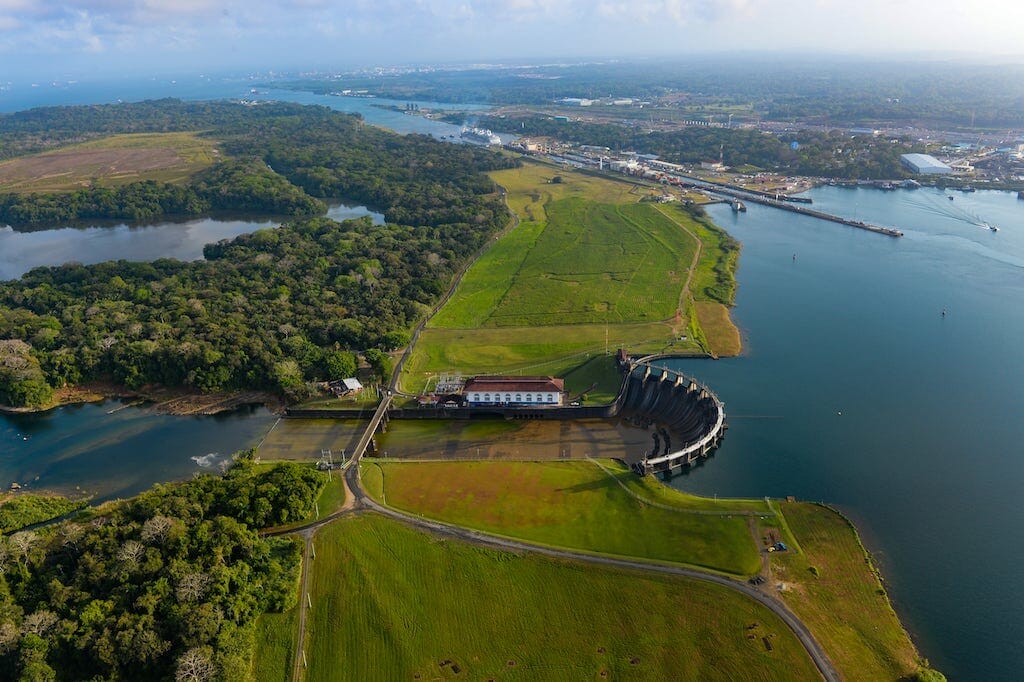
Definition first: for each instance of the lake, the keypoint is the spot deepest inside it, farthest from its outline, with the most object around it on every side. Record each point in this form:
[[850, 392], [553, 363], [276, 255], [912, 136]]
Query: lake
[[20, 251], [854, 389]]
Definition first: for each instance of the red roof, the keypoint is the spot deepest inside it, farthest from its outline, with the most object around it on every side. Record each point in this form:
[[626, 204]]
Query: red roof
[[509, 384]]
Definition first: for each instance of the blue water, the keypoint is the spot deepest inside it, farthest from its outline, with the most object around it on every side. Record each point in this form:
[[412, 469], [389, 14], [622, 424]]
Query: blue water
[[101, 450], [184, 240], [854, 389]]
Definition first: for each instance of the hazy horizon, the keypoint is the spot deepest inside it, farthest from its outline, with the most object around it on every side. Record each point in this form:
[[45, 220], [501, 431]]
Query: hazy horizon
[[78, 39]]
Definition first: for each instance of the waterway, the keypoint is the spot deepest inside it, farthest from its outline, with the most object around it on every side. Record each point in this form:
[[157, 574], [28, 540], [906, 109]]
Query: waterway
[[856, 390], [103, 450], [853, 389]]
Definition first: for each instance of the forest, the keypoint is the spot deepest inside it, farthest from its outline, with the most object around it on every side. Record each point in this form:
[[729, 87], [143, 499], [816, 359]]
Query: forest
[[166, 585], [271, 310]]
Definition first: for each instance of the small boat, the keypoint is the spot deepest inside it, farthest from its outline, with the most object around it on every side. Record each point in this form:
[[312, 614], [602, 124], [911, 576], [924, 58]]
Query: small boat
[[1020, 194], [951, 197]]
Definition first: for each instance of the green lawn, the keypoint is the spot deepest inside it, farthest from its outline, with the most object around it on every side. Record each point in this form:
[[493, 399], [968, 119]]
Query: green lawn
[[275, 646], [588, 270], [580, 506], [391, 603], [844, 605]]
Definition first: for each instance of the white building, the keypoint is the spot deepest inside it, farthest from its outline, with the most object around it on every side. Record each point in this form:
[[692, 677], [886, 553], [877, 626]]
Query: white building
[[514, 391], [924, 164]]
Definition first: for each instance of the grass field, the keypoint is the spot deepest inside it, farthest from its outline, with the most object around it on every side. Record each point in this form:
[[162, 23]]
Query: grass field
[[110, 162], [842, 601], [391, 603], [581, 506], [588, 270], [275, 646], [303, 439]]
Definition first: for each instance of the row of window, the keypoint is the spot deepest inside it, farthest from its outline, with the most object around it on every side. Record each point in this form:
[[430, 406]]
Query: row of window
[[541, 398]]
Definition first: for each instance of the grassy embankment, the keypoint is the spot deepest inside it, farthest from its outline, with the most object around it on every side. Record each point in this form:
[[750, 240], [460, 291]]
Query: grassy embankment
[[577, 505], [588, 270], [110, 162], [841, 600], [390, 603], [834, 588]]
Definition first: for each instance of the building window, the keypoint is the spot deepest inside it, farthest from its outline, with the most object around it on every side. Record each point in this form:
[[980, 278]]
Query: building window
[[551, 398], [519, 397], [508, 398], [529, 398], [487, 397]]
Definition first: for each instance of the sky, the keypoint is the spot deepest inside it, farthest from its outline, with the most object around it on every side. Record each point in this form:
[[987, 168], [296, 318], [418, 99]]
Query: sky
[[50, 39]]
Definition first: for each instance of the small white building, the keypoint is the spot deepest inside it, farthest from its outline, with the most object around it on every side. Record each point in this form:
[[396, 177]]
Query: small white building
[[514, 391]]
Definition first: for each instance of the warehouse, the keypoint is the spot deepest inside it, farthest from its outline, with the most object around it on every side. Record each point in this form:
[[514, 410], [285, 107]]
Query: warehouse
[[924, 164]]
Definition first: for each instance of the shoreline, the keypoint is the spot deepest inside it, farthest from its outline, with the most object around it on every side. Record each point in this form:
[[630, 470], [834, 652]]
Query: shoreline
[[160, 399]]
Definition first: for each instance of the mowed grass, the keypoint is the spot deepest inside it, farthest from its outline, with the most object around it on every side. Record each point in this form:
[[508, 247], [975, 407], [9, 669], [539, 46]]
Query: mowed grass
[[303, 439], [553, 349], [392, 603], [591, 263], [845, 605], [581, 506], [588, 270], [275, 635], [110, 162]]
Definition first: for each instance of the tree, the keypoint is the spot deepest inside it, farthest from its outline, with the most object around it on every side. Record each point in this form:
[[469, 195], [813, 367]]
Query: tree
[[195, 665]]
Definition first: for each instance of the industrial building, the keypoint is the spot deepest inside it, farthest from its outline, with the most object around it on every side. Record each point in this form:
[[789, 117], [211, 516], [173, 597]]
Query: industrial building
[[924, 164], [514, 391]]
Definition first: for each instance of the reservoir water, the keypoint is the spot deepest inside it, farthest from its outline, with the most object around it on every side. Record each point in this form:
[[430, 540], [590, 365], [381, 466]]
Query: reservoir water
[[856, 390], [184, 240], [853, 389]]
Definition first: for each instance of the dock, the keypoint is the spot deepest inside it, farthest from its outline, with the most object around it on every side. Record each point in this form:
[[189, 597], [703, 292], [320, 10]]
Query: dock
[[785, 202]]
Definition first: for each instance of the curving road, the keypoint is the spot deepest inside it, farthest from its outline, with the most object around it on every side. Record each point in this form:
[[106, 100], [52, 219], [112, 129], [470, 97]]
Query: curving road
[[359, 501]]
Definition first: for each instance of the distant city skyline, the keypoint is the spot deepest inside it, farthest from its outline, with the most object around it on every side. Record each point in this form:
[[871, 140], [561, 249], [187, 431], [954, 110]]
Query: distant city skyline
[[80, 38]]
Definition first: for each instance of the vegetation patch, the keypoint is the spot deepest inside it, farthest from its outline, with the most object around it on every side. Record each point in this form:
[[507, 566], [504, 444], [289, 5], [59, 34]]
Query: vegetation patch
[[168, 582], [582, 506], [110, 162], [841, 600], [390, 602], [588, 270], [18, 510]]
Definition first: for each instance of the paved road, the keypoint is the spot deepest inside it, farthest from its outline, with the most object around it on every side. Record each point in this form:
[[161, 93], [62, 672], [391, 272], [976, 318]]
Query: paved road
[[359, 501]]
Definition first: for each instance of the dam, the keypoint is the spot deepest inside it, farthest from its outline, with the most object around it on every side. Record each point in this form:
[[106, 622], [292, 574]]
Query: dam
[[685, 419]]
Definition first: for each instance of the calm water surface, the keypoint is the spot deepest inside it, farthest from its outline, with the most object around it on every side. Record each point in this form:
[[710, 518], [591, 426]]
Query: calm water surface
[[101, 450], [854, 389]]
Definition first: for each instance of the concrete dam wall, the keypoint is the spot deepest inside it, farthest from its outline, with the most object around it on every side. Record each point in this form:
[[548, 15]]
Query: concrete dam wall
[[687, 418]]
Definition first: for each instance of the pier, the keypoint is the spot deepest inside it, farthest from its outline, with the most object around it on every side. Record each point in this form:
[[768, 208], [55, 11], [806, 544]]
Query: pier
[[785, 202]]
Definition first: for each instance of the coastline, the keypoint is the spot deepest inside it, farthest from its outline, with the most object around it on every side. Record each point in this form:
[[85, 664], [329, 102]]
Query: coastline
[[160, 399]]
